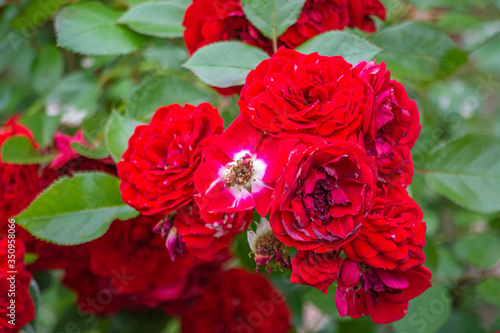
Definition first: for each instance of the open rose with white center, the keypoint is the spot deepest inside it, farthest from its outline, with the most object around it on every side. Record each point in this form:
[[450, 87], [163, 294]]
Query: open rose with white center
[[239, 172]]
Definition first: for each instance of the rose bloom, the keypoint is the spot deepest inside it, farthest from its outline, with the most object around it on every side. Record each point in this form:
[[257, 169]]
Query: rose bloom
[[209, 21], [157, 168], [292, 95], [241, 168], [318, 270], [237, 301], [393, 125], [360, 12], [381, 294], [323, 195], [392, 235], [18, 183], [130, 268], [201, 240], [24, 307]]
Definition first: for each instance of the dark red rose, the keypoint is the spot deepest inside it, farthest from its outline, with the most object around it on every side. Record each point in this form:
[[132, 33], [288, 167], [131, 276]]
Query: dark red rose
[[24, 308], [237, 301], [392, 127], [157, 168], [318, 270], [209, 21], [360, 12], [392, 235], [292, 95], [323, 195], [128, 268], [381, 294], [200, 240], [18, 183]]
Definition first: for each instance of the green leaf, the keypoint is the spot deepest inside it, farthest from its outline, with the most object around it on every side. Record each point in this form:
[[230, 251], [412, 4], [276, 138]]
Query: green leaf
[[272, 17], [96, 153], [118, 131], [36, 13], [43, 127], [47, 68], [76, 94], [490, 290], [76, 210], [132, 322], [418, 51], [467, 171], [352, 48], [427, 312], [160, 19], [159, 90], [91, 28], [19, 150], [481, 251], [36, 296], [486, 55], [225, 64]]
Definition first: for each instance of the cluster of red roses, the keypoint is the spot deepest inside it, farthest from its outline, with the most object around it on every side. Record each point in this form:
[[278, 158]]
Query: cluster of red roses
[[321, 146], [209, 21], [129, 267]]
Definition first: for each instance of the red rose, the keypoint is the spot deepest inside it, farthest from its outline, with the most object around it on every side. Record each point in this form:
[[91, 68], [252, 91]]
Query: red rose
[[18, 183], [318, 270], [200, 240], [316, 17], [24, 309], [294, 95], [360, 12], [157, 168], [392, 235], [129, 267], [393, 125], [381, 294], [323, 195], [209, 21], [237, 301], [241, 168]]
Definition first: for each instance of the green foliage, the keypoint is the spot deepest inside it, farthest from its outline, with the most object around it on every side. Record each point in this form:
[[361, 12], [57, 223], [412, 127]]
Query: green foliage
[[160, 19], [225, 64], [118, 131], [91, 28], [418, 51], [428, 312], [272, 17], [76, 210], [158, 90], [47, 69], [19, 150], [467, 171], [340, 43], [42, 126]]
